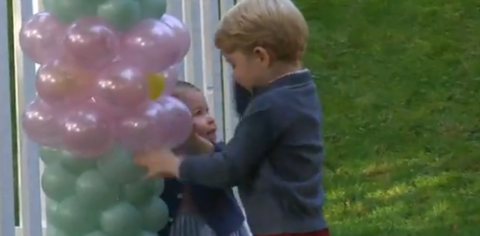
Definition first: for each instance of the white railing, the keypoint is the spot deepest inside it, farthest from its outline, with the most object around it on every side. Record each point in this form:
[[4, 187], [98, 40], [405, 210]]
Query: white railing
[[203, 66]]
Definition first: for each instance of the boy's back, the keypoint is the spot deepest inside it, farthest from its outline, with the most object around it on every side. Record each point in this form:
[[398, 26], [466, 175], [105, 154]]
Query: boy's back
[[284, 195]]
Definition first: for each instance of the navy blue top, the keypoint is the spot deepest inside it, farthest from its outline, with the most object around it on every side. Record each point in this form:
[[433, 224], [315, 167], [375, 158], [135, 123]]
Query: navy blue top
[[275, 158], [242, 98], [218, 207]]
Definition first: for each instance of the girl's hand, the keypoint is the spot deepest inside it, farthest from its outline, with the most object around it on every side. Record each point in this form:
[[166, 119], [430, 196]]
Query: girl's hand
[[161, 163]]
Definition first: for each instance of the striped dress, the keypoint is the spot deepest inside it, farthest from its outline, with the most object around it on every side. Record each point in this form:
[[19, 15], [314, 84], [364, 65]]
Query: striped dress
[[189, 223]]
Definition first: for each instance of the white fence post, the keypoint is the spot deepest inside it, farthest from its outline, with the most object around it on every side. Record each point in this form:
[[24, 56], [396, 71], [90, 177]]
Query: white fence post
[[28, 163], [7, 211]]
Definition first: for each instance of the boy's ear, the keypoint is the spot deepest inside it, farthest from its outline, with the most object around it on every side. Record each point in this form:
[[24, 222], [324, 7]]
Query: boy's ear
[[262, 54]]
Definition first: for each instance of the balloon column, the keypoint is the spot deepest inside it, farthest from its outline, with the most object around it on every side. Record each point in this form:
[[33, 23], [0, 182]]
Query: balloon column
[[107, 69]]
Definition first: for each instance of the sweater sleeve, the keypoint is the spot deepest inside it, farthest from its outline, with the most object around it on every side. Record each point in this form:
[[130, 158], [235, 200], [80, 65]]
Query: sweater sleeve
[[239, 159]]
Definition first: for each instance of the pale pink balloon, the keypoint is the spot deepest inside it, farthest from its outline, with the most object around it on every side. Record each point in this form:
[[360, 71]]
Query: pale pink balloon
[[176, 123], [41, 36], [139, 130], [151, 45], [92, 43], [122, 86], [40, 123], [61, 83], [113, 113], [87, 131], [181, 34], [171, 77]]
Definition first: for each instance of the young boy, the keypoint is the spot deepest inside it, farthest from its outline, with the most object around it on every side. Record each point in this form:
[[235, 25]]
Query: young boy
[[275, 157]]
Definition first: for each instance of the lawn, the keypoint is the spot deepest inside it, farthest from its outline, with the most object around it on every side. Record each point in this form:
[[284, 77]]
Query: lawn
[[400, 84]]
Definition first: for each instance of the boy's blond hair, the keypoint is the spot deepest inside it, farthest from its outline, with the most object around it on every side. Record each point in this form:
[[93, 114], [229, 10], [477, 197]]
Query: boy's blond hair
[[276, 25]]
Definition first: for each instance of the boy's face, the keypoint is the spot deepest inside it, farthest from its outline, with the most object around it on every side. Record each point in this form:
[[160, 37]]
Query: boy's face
[[202, 120], [249, 70]]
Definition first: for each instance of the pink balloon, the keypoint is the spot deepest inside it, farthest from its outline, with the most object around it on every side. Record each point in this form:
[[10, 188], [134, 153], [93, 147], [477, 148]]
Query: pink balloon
[[114, 113], [41, 36], [92, 43], [176, 124], [87, 131], [40, 123], [181, 34], [122, 86], [151, 45], [139, 130], [171, 77], [62, 83]]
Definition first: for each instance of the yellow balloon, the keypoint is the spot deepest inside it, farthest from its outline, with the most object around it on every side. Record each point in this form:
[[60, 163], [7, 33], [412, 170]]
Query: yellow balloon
[[156, 85]]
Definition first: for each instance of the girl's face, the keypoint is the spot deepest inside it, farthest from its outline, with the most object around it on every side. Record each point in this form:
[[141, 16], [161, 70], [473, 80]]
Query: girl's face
[[202, 120]]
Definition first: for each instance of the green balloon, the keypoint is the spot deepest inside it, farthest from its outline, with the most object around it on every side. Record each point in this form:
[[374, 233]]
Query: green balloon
[[146, 233], [153, 8], [49, 155], [73, 218], [97, 233], [69, 161], [122, 219], [122, 14], [57, 182], [140, 192], [77, 164], [159, 186], [95, 191], [155, 214], [70, 10], [52, 231], [51, 208], [118, 167]]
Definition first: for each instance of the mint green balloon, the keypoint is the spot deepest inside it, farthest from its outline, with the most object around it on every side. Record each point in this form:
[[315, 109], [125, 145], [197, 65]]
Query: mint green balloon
[[95, 191], [153, 8], [52, 231], [159, 186], [118, 167], [70, 10], [155, 214], [77, 164], [49, 155], [146, 233], [57, 182], [69, 161], [51, 208], [98, 233], [122, 14], [122, 219], [140, 192], [73, 218]]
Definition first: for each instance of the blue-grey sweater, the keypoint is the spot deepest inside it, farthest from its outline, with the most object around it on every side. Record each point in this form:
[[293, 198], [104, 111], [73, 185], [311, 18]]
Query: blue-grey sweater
[[275, 158]]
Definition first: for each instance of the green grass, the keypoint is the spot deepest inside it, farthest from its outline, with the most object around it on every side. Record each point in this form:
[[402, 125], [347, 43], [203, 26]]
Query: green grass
[[400, 84]]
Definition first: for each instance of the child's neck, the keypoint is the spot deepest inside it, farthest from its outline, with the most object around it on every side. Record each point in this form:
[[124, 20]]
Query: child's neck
[[281, 69]]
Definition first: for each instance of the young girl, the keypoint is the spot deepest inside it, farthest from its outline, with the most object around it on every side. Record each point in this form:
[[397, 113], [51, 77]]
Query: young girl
[[197, 210]]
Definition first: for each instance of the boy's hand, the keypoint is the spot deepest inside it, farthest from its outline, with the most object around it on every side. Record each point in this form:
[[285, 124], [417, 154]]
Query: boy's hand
[[199, 144], [161, 163]]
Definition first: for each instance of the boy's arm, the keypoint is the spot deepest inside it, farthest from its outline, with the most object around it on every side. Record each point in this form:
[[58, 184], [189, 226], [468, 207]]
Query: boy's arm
[[239, 158]]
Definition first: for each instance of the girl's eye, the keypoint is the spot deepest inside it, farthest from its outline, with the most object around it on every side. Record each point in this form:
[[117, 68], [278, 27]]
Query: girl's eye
[[197, 113]]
